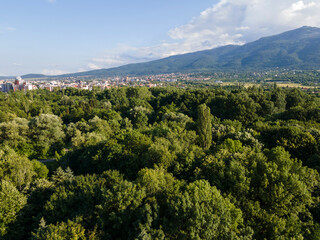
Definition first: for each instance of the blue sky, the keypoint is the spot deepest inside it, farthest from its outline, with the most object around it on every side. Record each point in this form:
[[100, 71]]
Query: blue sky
[[60, 36]]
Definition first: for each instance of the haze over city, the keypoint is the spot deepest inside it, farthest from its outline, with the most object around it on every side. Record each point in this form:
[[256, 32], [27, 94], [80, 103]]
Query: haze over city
[[57, 36]]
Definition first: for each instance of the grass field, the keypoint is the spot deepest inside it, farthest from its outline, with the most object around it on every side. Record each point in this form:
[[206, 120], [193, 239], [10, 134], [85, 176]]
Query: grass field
[[283, 85], [293, 85]]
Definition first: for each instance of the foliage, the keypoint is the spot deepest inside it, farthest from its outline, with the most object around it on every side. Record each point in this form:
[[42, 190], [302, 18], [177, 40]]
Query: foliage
[[160, 163], [46, 130], [204, 126], [11, 202], [60, 231], [19, 170]]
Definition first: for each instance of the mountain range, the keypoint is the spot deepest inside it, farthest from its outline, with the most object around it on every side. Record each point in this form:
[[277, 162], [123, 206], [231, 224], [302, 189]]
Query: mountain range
[[295, 49]]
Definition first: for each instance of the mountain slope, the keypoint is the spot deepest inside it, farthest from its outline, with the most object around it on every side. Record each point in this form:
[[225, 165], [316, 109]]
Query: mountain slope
[[299, 48], [33, 76]]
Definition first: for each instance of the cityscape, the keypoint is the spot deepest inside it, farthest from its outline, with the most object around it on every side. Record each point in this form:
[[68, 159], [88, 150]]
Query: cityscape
[[87, 83], [284, 77]]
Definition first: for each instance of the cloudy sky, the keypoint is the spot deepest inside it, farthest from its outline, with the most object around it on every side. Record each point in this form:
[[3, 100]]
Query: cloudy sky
[[60, 36]]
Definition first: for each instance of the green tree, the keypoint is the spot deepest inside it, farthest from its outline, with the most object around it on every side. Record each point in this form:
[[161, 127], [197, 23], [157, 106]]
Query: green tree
[[155, 180], [204, 126], [139, 116], [278, 97], [15, 134], [11, 202], [159, 154], [200, 212], [286, 191], [40, 169], [60, 231], [295, 98], [61, 175], [17, 169], [45, 131]]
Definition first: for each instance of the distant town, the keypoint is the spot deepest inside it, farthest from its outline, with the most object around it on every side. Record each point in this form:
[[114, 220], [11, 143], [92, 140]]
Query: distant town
[[284, 76], [88, 83]]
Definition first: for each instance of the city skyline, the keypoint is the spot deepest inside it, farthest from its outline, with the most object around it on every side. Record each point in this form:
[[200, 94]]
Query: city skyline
[[57, 36]]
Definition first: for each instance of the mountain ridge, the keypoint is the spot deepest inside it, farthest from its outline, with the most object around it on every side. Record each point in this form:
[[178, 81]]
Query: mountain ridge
[[294, 49], [32, 75]]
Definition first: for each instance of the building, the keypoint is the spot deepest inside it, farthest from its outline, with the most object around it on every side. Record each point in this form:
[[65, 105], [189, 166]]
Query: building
[[7, 87], [17, 85]]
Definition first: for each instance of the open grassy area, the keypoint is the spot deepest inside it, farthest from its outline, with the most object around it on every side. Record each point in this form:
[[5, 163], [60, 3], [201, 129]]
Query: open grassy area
[[293, 85], [283, 85]]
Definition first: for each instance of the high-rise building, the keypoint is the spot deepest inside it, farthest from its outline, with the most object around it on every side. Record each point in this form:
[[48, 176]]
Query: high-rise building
[[7, 87]]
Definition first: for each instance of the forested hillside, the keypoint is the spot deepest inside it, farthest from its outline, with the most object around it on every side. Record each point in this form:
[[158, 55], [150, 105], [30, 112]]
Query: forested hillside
[[295, 49], [160, 163]]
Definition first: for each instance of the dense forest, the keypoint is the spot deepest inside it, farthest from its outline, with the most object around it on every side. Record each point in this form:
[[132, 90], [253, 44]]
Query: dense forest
[[160, 163]]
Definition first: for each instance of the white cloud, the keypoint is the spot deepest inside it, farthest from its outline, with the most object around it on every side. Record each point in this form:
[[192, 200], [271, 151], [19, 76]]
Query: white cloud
[[93, 66], [227, 22], [300, 10], [10, 29], [4, 29], [124, 54], [52, 72], [246, 20], [51, 1]]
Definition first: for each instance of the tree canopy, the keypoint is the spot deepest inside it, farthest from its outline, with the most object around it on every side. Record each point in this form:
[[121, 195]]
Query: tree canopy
[[160, 163]]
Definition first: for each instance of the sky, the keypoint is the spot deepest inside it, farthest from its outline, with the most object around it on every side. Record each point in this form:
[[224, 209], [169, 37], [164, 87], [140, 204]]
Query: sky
[[63, 36]]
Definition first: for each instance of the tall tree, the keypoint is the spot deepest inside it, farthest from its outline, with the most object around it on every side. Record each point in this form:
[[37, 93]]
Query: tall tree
[[204, 126]]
